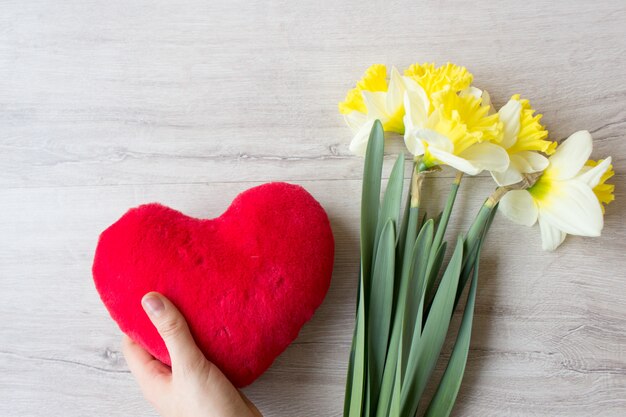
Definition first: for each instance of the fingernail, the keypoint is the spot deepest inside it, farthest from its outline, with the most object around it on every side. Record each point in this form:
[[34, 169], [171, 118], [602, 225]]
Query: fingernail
[[153, 305]]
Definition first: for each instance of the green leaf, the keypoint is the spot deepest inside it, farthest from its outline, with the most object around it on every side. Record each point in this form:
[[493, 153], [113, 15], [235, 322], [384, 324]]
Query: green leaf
[[394, 406], [423, 355], [476, 233], [436, 267], [433, 273], [355, 384], [400, 243], [387, 385], [370, 198], [403, 227], [407, 244], [445, 396], [370, 202], [398, 313], [437, 219], [442, 225], [390, 208], [423, 220], [411, 236], [413, 225], [348, 394], [415, 288], [379, 318]]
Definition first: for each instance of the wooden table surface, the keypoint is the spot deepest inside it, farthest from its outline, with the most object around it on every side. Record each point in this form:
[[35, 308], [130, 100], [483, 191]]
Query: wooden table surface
[[105, 105]]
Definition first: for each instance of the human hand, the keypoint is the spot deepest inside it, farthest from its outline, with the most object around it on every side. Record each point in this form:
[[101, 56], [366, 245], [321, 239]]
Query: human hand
[[193, 386]]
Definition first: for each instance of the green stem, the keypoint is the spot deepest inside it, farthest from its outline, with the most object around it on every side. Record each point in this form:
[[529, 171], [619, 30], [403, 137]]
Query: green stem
[[477, 232], [441, 230], [445, 217], [417, 178]]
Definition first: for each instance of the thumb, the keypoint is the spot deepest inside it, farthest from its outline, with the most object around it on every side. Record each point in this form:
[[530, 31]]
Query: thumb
[[171, 325]]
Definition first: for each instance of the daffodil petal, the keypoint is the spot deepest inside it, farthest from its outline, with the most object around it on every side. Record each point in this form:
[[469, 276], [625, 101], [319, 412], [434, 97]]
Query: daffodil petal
[[416, 106], [592, 176], [570, 156], [520, 164], [533, 161], [435, 140], [510, 117], [510, 176], [573, 208], [355, 120], [524, 162], [413, 143], [395, 93], [411, 85], [551, 237], [471, 91], [486, 101], [520, 207], [454, 161], [375, 101], [358, 145], [487, 155], [398, 85]]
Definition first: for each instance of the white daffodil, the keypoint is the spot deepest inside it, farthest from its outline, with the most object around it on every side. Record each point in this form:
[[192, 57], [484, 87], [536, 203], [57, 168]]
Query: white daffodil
[[567, 197], [452, 128], [373, 99]]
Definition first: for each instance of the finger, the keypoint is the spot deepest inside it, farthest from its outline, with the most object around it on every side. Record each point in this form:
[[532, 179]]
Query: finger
[[151, 375], [171, 325]]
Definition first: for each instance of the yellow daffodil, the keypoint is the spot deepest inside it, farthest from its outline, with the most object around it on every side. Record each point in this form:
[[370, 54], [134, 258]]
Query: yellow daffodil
[[567, 197], [434, 79], [523, 138], [373, 98], [451, 125]]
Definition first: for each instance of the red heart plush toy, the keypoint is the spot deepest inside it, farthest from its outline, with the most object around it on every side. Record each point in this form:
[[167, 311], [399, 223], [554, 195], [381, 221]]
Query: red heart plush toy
[[246, 281]]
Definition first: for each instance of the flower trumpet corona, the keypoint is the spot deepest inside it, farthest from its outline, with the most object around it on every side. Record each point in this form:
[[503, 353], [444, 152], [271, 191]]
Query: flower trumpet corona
[[524, 137]]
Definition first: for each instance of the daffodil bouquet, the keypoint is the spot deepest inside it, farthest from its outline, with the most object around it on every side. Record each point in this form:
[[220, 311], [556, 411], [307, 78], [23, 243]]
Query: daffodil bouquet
[[407, 293]]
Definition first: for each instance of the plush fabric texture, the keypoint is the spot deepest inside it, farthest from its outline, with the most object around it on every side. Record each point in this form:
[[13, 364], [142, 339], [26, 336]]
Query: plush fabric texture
[[246, 281]]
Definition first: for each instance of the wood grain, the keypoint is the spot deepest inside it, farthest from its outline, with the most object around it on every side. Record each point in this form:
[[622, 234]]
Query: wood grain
[[108, 104]]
